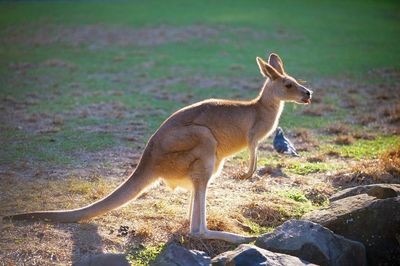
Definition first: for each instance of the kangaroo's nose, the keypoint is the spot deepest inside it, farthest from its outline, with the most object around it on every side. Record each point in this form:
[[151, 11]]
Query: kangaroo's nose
[[308, 93]]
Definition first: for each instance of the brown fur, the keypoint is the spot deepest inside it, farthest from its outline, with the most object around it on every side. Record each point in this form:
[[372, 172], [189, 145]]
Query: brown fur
[[191, 145]]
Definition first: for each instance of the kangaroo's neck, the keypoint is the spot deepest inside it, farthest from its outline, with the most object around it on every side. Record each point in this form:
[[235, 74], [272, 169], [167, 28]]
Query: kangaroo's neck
[[269, 108], [268, 99]]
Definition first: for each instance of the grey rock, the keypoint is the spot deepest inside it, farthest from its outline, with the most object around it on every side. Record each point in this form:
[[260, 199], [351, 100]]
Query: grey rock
[[369, 220], [380, 191], [103, 260], [314, 243], [174, 255], [248, 255]]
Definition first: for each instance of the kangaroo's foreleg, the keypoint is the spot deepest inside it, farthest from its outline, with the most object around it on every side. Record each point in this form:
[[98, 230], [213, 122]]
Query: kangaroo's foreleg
[[253, 147]]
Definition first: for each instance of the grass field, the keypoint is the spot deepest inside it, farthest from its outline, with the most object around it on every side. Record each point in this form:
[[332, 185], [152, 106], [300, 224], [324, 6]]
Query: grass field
[[84, 85]]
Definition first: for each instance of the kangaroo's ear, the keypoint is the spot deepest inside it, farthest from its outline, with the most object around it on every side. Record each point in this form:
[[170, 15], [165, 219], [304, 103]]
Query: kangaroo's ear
[[276, 62], [267, 70]]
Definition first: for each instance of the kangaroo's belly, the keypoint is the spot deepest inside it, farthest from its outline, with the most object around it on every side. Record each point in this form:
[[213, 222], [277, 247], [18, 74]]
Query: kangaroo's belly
[[227, 146]]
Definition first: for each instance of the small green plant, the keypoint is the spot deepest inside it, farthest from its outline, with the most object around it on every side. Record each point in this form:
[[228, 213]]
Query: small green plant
[[258, 229], [296, 203], [144, 255], [304, 168], [297, 196]]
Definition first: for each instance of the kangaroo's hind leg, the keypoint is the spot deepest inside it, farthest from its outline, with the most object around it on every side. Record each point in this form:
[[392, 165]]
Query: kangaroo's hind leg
[[200, 173]]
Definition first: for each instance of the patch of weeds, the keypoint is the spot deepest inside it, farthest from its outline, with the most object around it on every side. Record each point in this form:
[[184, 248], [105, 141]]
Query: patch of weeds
[[143, 255], [305, 168]]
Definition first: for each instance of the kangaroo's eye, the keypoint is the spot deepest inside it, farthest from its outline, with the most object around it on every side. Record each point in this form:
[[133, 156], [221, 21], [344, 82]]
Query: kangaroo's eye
[[289, 85]]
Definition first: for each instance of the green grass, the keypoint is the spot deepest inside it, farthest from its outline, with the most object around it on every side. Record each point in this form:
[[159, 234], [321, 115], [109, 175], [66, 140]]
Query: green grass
[[52, 148], [305, 168], [364, 149], [295, 204]]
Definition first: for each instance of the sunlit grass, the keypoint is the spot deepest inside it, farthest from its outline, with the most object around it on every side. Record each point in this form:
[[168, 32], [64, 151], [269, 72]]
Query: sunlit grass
[[364, 149]]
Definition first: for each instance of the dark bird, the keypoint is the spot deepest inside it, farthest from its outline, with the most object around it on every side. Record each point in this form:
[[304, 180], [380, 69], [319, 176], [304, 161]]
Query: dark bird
[[283, 144]]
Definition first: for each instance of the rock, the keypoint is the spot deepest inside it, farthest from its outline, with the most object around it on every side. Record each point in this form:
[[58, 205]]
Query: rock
[[248, 255], [175, 255], [103, 260], [314, 243], [380, 191], [371, 221]]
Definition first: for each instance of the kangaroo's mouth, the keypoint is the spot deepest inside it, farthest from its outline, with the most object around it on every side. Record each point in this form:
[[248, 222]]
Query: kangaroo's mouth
[[306, 101]]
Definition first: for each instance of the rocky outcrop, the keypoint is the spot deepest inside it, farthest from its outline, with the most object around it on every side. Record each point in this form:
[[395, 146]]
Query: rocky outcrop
[[380, 191], [248, 255], [314, 243], [370, 220], [175, 255]]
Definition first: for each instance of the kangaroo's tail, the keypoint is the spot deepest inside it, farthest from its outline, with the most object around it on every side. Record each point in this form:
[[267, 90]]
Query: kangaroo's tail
[[139, 180]]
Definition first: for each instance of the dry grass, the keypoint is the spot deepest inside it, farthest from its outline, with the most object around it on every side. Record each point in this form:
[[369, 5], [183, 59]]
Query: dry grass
[[364, 135], [385, 169], [316, 159], [337, 128], [367, 119], [262, 214], [303, 134], [319, 193], [344, 140], [391, 113], [332, 153]]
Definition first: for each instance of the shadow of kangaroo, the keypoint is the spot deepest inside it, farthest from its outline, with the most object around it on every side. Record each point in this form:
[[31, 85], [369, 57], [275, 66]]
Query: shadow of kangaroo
[[190, 146]]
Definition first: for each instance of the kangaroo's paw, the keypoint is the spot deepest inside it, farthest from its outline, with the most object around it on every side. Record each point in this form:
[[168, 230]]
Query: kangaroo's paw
[[245, 175]]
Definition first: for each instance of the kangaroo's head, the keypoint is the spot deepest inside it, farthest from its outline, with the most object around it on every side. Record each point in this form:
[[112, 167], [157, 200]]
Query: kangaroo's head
[[281, 85]]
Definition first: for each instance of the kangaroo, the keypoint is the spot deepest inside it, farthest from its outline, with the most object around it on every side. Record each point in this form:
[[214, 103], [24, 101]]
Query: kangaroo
[[190, 146]]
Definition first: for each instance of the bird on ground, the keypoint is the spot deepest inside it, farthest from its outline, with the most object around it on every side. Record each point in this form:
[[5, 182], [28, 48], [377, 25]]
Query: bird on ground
[[283, 144]]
